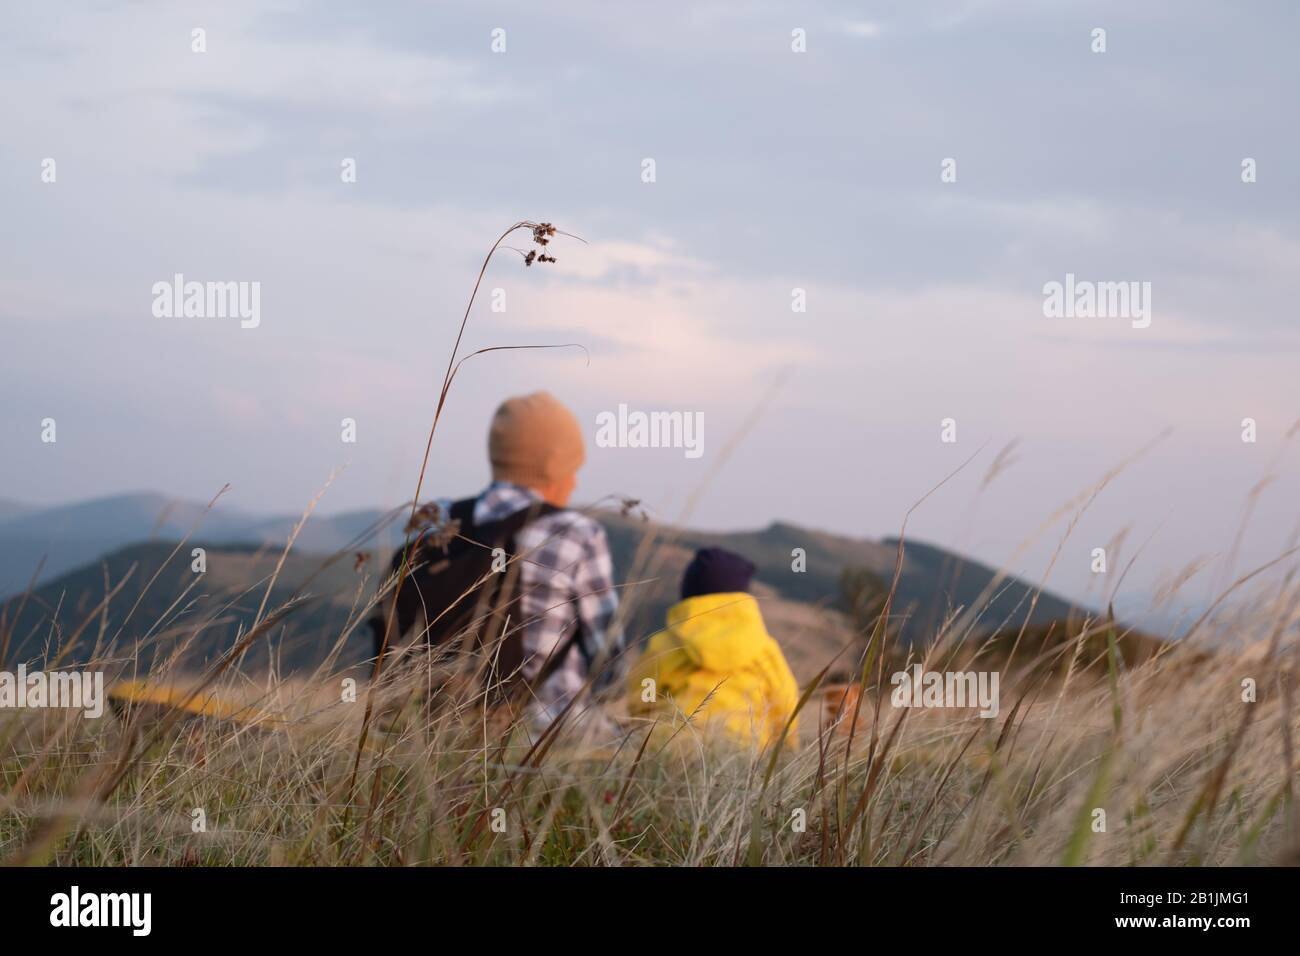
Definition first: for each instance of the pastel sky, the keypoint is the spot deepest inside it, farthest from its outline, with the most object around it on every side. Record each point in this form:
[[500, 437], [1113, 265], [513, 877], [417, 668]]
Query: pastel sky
[[775, 170]]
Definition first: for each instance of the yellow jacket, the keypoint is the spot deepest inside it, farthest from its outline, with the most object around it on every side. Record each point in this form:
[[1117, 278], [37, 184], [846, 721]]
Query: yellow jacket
[[716, 648]]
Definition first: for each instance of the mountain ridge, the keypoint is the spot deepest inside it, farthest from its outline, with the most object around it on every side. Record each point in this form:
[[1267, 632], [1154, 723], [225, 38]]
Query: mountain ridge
[[799, 579]]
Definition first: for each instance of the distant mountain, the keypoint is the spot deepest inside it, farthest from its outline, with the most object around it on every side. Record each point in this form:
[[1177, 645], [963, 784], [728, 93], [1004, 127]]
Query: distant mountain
[[933, 582], [937, 582], [11, 509], [161, 606], [1171, 615], [71, 535], [798, 581], [130, 516]]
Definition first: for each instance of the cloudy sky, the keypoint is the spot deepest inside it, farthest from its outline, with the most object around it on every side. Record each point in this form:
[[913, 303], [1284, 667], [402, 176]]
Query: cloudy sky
[[774, 170]]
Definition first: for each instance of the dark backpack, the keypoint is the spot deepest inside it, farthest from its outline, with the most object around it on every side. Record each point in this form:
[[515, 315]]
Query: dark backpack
[[464, 604]]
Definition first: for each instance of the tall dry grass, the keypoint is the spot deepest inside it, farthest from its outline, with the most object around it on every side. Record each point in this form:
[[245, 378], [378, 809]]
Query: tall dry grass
[[1186, 771]]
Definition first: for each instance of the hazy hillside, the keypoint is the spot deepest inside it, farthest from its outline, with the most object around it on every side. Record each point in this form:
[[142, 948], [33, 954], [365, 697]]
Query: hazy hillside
[[69, 536], [803, 607], [11, 509], [163, 596], [933, 583]]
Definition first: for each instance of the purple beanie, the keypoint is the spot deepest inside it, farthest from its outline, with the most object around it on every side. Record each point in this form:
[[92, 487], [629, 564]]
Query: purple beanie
[[716, 571]]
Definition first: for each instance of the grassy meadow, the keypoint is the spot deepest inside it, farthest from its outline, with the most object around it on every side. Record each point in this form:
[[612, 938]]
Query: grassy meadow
[[254, 769]]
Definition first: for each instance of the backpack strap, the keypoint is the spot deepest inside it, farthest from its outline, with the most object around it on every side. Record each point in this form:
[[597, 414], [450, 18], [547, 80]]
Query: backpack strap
[[558, 654], [463, 512]]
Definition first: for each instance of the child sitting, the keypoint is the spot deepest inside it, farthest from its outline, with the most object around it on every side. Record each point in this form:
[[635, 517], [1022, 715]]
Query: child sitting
[[715, 661]]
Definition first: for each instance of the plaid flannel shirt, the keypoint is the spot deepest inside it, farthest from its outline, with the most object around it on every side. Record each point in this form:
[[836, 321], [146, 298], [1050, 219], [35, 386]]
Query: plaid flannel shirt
[[566, 576]]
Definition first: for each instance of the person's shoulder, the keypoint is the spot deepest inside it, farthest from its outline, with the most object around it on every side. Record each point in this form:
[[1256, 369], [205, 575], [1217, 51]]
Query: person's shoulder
[[573, 524], [576, 520]]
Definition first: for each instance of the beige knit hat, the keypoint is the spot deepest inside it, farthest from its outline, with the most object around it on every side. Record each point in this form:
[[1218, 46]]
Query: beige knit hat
[[534, 441]]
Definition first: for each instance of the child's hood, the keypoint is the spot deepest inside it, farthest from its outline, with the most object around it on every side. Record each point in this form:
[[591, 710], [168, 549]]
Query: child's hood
[[720, 632]]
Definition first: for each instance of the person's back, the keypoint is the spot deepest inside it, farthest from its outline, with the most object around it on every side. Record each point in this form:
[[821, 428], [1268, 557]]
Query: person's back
[[545, 618], [715, 661]]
